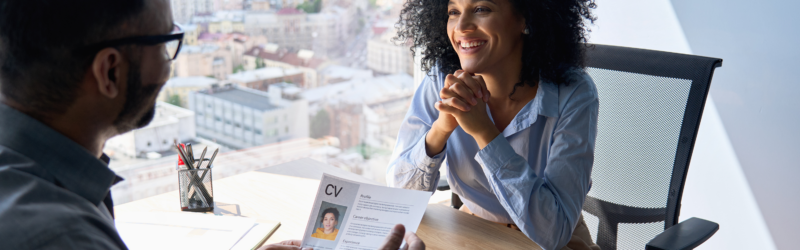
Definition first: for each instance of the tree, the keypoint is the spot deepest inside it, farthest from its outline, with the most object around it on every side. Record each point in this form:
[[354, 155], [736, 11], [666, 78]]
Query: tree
[[312, 6], [260, 63], [238, 68], [174, 99], [320, 124]]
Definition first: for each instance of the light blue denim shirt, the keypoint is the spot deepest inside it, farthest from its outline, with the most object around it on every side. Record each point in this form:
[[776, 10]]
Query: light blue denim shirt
[[536, 174]]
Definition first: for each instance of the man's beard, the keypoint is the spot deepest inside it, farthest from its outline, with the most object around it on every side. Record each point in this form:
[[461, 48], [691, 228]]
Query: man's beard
[[137, 112]]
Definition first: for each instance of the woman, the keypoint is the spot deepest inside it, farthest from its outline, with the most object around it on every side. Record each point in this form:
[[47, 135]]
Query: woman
[[329, 220], [516, 119]]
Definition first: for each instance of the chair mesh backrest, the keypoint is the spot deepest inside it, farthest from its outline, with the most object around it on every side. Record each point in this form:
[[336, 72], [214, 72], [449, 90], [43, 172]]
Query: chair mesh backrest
[[642, 128]]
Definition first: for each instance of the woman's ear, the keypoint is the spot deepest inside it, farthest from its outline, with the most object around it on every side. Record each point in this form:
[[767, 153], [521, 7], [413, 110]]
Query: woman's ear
[[106, 69]]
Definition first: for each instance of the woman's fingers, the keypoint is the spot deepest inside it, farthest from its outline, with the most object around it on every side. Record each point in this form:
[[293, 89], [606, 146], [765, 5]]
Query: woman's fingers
[[446, 108], [464, 93], [450, 79], [457, 103], [485, 90], [473, 84]]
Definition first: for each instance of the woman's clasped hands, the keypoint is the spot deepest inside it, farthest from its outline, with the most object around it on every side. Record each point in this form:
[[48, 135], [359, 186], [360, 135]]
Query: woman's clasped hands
[[464, 98]]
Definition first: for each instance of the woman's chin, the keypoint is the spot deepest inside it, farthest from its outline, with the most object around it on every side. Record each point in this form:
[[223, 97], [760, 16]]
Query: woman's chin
[[471, 68]]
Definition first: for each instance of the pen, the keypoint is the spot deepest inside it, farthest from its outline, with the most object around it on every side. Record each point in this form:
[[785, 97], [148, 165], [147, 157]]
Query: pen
[[212, 158], [203, 154], [190, 152]]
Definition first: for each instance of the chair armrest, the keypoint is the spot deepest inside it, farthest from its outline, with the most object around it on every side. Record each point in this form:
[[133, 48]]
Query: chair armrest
[[685, 235]]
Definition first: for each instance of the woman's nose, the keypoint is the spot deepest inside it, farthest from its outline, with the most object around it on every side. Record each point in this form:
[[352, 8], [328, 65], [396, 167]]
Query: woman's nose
[[465, 23]]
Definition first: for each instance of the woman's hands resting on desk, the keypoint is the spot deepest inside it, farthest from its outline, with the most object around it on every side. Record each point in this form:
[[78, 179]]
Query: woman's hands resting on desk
[[463, 103], [392, 241]]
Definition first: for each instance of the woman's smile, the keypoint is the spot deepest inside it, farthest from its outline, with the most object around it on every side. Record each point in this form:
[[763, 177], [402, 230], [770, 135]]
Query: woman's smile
[[470, 46]]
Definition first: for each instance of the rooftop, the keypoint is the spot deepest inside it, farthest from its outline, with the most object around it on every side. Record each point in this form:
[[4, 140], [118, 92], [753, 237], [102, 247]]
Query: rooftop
[[289, 11], [262, 73], [202, 49], [167, 113], [242, 96], [303, 58], [190, 81], [344, 72], [363, 90]]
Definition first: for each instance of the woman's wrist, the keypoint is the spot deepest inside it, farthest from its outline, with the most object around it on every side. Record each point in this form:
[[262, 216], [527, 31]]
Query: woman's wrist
[[436, 139], [486, 136]]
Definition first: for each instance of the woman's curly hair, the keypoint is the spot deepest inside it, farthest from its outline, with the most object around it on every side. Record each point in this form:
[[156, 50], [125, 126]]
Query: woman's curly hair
[[556, 42]]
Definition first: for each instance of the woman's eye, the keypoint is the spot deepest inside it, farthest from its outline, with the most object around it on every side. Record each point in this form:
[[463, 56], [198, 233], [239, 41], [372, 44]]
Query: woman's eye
[[452, 13]]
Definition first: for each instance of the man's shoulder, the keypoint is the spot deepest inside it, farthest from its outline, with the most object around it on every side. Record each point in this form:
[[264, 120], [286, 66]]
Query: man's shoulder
[[37, 213]]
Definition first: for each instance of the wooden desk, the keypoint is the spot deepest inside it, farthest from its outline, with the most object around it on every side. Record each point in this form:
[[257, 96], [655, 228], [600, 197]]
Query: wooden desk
[[288, 199]]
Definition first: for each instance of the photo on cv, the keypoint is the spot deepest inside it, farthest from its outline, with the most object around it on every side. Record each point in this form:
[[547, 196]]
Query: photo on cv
[[330, 219]]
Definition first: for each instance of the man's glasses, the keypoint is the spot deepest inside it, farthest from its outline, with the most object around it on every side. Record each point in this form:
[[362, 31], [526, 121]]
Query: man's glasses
[[173, 42]]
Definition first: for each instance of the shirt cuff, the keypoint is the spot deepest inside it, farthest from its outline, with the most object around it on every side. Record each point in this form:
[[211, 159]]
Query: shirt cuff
[[425, 162], [495, 155]]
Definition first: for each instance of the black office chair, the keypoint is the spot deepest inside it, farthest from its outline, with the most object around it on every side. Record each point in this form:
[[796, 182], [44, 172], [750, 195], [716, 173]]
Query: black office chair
[[651, 103]]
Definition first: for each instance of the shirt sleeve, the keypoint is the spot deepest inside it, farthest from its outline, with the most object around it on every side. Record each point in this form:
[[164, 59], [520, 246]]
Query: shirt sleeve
[[546, 208], [410, 166]]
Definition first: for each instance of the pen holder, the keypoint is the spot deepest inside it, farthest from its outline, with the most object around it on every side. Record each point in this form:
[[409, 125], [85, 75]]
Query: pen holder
[[196, 189]]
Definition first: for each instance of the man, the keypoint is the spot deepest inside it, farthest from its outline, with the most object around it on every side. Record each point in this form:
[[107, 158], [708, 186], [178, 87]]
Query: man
[[72, 75]]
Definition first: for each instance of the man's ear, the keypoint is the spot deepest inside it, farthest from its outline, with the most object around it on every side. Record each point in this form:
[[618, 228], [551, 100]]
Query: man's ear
[[106, 69]]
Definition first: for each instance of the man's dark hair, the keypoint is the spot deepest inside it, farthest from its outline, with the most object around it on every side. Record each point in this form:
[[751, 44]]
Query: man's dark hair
[[556, 42], [41, 42], [330, 210]]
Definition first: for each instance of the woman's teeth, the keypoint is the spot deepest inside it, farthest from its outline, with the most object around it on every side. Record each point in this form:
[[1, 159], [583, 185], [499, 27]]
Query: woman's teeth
[[471, 44]]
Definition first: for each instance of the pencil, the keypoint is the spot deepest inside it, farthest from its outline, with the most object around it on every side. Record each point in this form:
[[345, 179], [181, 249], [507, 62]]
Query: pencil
[[260, 243]]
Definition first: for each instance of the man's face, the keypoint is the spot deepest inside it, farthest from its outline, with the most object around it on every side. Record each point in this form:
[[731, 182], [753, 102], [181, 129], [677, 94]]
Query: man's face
[[148, 69]]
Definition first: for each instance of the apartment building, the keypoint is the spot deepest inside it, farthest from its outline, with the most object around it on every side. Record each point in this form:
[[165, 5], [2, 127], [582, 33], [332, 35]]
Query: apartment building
[[262, 78], [274, 56], [295, 30], [240, 117], [203, 60]]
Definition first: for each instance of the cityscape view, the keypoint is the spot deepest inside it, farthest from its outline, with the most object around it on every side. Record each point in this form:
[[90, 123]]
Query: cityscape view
[[271, 81]]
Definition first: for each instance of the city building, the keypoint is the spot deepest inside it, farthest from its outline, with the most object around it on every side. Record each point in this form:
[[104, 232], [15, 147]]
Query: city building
[[182, 86], [262, 78], [294, 29], [220, 21], [273, 56], [222, 5], [183, 10], [203, 60], [190, 34], [260, 5], [235, 43], [387, 57], [337, 73], [363, 111], [170, 123], [240, 117]]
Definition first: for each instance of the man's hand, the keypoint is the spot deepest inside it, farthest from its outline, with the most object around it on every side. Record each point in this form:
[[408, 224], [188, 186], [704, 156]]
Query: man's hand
[[396, 236], [285, 245]]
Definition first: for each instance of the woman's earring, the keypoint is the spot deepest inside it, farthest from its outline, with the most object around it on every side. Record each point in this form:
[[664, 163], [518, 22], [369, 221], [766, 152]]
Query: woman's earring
[[526, 31]]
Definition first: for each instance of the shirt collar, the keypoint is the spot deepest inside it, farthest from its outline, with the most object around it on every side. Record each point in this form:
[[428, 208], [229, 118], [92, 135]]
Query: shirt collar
[[545, 103], [67, 161]]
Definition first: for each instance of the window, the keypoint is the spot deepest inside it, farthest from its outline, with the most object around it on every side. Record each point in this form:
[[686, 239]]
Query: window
[[326, 120]]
